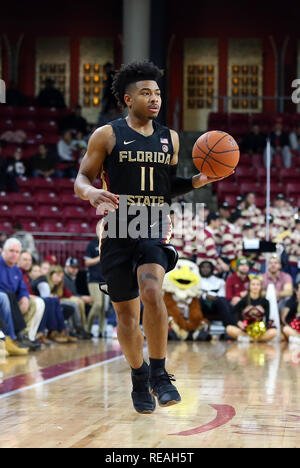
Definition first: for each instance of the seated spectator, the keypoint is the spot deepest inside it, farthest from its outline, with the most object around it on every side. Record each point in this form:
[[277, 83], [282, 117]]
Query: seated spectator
[[45, 267], [71, 272], [38, 287], [15, 168], [7, 327], [14, 97], [255, 141], [79, 143], [291, 317], [252, 213], [283, 282], [94, 278], [12, 283], [251, 311], [109, 101], [237, 284], [293, 250], [283, 216], [38, 305], [232, 239], [208, 250], [65, 151], [50, 96], [43, 163], [26, 239], [279, 141], [213, 302], [55, 279], [294, 139], [75, 122]]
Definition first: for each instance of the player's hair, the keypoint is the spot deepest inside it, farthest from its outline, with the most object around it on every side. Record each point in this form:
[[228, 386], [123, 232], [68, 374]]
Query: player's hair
[[131, 73]]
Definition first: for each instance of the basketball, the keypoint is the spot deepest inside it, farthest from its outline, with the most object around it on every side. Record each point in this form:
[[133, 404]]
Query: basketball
[[216, 154]]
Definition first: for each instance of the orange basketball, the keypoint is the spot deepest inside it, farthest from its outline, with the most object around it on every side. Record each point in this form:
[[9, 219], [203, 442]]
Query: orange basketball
[[216, 154]]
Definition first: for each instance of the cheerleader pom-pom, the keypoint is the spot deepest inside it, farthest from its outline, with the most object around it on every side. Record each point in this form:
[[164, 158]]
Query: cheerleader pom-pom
[[256, 329]]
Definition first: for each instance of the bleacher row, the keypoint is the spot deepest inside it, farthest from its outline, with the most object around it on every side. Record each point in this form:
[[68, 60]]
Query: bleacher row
[[250, 176], [239, 124], [41, 125], [47, 206]]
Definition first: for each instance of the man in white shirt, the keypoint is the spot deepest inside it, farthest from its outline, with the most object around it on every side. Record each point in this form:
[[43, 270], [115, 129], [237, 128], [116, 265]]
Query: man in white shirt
[[213, 302]]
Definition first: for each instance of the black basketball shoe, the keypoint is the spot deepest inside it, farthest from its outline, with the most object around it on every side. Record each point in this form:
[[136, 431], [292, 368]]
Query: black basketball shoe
[[161, 387], [143, 401]]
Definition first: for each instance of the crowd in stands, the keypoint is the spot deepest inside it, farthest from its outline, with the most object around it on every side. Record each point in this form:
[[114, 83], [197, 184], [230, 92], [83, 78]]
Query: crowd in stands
[[43, 302]]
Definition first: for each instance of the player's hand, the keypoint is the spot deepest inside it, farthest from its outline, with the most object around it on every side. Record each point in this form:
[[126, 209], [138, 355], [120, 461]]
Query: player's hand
[[103, 200], [199, 180]]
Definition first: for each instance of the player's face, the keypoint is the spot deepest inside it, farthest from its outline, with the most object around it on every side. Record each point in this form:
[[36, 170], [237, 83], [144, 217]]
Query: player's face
[[144, 99]]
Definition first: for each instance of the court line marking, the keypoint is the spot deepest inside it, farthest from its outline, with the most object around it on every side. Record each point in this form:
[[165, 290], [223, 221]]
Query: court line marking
[[59, 377]]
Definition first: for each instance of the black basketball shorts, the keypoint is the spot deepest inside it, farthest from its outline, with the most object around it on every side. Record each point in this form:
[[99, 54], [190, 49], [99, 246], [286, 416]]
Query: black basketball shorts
[[120, 259]]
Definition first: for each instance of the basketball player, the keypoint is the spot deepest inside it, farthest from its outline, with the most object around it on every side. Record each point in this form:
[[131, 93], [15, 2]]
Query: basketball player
[[139, 157]]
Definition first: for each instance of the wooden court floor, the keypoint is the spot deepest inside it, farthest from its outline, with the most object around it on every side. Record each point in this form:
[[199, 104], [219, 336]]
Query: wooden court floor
[[78, 396]]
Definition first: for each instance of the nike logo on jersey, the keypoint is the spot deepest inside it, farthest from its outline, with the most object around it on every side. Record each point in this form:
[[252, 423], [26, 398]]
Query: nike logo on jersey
[[128, 142]]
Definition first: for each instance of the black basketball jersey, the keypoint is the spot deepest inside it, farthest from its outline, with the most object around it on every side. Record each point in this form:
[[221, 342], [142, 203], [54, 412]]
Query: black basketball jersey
[[139, 165]]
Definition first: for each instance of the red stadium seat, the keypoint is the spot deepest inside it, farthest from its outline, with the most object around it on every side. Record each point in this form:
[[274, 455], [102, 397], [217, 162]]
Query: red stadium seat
[[46, 198], [245, 160], [48, 211], [26, 112], [231, 200], [70, 199], [6, 111], [40, 184], [292, 190], [5, 226], [5, 198], [73, 227], [226, 188], [31, 226], [51, 139], [74, 212], [244, 173], [23, 211], [289, 175], [22, 198], [247, 187], [26, 125], [218, 121], [7, 124], [48, 126], [5, 213], [257, 160], [50, 225], [46, 113], [260, 202]]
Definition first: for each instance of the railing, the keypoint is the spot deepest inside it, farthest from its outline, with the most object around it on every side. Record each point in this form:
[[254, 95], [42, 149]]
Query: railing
[[62, 245]]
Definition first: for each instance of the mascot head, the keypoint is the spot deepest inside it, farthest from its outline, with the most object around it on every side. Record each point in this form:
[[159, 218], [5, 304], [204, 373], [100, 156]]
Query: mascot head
[[183, 281]]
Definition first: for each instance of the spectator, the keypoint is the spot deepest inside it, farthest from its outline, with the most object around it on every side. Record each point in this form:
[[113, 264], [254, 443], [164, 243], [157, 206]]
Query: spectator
[[291, 317], [224, 212], [7, 327], [94, 278], [294, 139], [232, 239], [71, 272], [43, 163], [237, 284], [283, 218], [26, 239], [253, 308], [50, 96], [53, 319], [15, 168], [75, 122], [55, 279], [283, 282], [251, 213], [12, 283], [249, 234], [65, 151], [212, 228], [45, 267], [279, 141], [38, 305], [255, 141], [14, 97], [213, 302], [293, 250]]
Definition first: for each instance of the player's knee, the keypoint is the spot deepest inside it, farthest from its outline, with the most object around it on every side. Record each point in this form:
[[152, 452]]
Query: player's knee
[[151, 295], [126, 321]]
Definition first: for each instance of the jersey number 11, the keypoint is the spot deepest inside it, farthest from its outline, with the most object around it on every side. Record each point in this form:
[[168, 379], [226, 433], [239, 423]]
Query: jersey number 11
[[143, 178]]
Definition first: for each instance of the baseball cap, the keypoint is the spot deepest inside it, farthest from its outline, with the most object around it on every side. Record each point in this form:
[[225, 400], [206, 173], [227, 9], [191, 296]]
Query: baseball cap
[[280, 196], [242, 261], [212, 216], [72, 262], [247, 225], [224, 205], [52, 259]]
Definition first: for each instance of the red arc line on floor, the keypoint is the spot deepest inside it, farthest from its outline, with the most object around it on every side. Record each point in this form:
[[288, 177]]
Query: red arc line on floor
[[224, 414]]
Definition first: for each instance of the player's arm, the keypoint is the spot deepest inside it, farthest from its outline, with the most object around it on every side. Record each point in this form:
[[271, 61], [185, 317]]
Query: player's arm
[[180, 185], [100, 144]]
